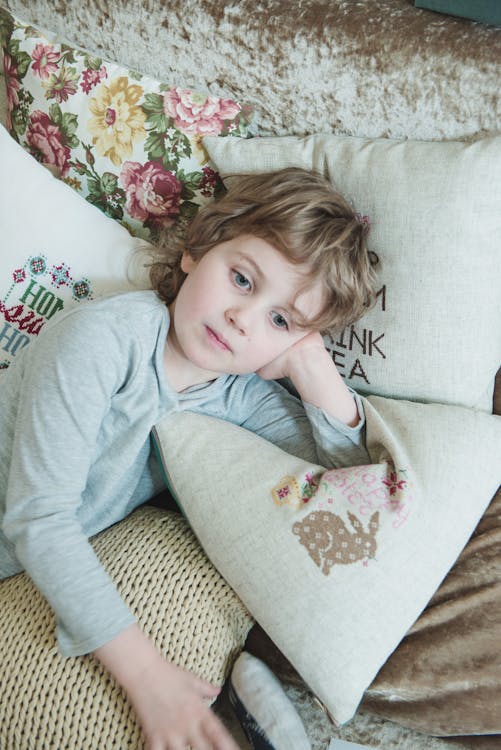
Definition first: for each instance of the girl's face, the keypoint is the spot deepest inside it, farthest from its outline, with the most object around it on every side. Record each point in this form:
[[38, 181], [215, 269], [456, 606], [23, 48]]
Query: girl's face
[[237, 308]]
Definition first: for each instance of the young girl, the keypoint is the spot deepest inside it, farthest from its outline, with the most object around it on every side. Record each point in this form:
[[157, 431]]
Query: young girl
[[242, 303]]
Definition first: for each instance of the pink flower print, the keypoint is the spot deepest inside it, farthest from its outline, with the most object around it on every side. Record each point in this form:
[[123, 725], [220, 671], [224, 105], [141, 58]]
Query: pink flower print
[[82, 290], [90, 78], [45, 142], [38, 266], [61, 275], [283, 492], [61, 87], [197, 113], [12, 85], [210, 180], [152, 193], [19, 275], [394, 483], [308, 488], [45, 60]]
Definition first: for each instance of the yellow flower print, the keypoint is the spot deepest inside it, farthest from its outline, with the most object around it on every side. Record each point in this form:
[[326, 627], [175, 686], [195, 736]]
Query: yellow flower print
[[199, 150], [117, 121], [73, 182]]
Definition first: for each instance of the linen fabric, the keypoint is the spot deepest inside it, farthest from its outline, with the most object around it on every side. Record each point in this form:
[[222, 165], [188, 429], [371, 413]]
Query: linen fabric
[[349, 558], [435, 332], [179, 600], [58, 251], [76, 411], [128, 143]]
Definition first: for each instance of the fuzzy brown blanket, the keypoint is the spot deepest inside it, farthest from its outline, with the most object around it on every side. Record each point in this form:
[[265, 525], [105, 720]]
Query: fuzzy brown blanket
[[366, 68]]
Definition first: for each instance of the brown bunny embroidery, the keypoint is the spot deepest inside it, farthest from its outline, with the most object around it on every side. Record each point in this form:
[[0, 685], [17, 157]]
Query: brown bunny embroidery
[[330, 542]]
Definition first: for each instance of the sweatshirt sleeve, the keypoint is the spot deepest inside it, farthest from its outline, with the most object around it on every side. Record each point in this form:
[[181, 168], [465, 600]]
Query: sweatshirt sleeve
[[270, 410], [65, 391]]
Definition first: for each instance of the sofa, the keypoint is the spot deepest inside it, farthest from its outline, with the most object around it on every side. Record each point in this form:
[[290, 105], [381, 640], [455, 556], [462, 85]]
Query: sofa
[[374, 71]]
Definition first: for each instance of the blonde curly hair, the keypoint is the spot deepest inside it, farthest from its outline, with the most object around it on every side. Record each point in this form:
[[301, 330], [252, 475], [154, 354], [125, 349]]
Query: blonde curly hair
[[300, 214]]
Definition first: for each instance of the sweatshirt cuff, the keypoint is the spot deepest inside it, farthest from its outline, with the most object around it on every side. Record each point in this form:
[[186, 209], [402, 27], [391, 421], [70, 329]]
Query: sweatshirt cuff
[[318, 417], [70, 646]]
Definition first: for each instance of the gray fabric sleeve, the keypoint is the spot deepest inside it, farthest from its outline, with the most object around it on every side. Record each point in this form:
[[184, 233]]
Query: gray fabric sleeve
[[65, 392], [300, 428], [338, 445]]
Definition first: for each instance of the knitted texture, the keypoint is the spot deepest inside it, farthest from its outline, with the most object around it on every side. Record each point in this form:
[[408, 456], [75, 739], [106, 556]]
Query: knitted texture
[[180, 601]]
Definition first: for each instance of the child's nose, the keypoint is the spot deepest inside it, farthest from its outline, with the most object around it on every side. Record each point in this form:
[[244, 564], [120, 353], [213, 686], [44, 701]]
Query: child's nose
[[238, 319]]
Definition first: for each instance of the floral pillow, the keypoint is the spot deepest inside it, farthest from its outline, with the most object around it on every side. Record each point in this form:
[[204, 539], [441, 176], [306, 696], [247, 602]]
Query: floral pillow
[[128, 143]]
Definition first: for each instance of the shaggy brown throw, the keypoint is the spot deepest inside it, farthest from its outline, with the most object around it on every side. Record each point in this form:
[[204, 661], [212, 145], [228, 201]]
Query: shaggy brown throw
[[361, 68]]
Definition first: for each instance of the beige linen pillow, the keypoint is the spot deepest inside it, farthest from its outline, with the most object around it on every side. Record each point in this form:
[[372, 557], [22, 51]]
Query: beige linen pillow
[[181, 602], [435, 332], [336, 565]]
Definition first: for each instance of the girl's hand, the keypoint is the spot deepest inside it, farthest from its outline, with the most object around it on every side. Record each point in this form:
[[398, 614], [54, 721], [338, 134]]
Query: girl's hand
[[315, 377], [294, 358], [171, 703]]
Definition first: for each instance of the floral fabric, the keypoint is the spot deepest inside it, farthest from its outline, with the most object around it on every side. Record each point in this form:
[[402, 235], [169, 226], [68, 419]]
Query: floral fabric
[[128, 143]]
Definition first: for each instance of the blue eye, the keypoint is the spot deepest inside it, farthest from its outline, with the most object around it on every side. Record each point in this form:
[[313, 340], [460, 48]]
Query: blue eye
[[279, 321], [241, 280]]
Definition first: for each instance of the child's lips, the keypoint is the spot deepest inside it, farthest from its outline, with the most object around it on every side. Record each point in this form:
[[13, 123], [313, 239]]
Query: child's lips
[[217, 339]]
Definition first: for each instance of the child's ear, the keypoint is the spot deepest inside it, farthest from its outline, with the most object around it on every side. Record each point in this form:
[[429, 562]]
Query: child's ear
[[187, 262]]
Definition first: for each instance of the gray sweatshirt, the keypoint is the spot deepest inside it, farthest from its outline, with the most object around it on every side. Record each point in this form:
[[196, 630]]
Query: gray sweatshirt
[[76, 411]]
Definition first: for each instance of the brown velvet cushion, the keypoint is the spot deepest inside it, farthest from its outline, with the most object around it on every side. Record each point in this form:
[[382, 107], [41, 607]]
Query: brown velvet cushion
[[445, 676]]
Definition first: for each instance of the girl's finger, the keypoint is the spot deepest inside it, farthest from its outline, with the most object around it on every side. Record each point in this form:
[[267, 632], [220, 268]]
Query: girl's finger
[[206, 689], [200, 741], [218, 735]]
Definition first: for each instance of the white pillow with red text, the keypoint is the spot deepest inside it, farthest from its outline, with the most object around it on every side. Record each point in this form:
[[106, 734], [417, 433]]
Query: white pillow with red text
[[57, 250]]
